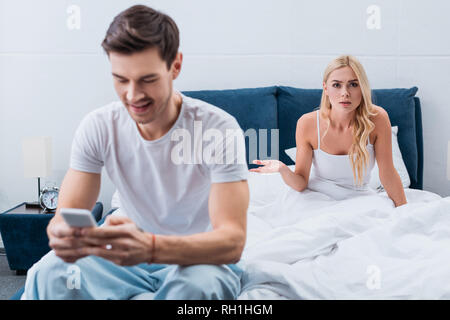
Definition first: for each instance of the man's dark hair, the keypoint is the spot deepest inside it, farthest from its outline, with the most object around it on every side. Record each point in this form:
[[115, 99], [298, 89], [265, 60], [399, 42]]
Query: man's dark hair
[[139, 28]]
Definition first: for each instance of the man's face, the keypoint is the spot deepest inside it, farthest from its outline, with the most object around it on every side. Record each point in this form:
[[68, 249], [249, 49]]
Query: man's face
[[144, 83]]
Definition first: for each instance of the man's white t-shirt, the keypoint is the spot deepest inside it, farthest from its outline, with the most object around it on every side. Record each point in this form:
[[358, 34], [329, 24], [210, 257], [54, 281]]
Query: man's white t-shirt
[[163, 184]]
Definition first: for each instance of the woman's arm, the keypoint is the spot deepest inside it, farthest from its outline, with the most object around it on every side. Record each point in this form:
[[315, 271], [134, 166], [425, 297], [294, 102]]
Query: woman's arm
[[297, 180], [293, 180], [383, 151]]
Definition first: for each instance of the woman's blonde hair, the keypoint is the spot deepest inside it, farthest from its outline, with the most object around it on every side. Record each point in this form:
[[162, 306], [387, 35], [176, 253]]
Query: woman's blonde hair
[[362, 126]]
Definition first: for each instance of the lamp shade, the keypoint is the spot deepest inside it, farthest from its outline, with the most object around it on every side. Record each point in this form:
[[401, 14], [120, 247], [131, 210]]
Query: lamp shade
[[448, 161], [37, 156]]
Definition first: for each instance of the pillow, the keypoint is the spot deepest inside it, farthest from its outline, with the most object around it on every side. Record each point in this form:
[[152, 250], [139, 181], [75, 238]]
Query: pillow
[[292, 153], [400, 105], [399, 165], [375, 182]]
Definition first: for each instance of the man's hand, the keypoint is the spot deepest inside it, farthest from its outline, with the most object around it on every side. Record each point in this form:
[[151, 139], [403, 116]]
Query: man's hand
[[78, 190], [119, 241], [65, 241]]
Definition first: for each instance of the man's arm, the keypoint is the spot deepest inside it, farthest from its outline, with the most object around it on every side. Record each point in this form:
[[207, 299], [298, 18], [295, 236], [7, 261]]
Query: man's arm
[[78, 190], [228, 204]]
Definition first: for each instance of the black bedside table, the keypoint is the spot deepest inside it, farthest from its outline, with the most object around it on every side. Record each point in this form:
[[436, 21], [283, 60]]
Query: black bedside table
[[25, 237]]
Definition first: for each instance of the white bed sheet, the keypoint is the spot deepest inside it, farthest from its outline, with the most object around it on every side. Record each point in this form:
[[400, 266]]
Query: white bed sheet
[[309, 246]]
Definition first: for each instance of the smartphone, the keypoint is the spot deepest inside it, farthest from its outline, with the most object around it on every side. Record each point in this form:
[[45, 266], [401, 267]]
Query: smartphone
[[78, 218]]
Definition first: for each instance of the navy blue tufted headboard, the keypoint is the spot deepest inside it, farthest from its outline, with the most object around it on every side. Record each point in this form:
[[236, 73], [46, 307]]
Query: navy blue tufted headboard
[[280, 107]]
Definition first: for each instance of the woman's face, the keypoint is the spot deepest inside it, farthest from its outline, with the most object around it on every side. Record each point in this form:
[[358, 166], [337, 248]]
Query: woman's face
[[343, 90]]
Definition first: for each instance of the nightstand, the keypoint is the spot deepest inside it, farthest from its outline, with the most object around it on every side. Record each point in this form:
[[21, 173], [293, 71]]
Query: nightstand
[[25, 237]]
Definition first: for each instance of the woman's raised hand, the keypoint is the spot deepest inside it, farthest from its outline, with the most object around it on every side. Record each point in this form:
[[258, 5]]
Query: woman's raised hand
[[268, 166]]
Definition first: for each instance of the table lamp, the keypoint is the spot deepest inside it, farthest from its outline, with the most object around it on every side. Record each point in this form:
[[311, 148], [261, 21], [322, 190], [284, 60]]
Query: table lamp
[[448, 161], [37, 160]]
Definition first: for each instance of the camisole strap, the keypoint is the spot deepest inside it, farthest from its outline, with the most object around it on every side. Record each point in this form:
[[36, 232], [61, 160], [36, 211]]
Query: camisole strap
[[318, 132]]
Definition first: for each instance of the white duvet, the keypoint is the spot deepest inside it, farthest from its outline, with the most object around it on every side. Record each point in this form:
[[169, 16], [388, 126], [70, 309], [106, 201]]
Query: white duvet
[[310, 246]]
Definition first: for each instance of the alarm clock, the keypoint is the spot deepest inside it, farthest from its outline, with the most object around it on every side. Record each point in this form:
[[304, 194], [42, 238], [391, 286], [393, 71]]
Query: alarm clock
[[49, 198]]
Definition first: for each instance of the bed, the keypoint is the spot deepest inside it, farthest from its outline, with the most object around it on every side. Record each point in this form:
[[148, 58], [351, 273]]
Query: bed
[[310, 245]]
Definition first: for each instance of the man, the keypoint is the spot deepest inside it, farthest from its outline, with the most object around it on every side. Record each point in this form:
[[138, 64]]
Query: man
[[183, 226]]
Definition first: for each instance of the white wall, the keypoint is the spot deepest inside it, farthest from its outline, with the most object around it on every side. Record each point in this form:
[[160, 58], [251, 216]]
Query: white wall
[[51, 76]]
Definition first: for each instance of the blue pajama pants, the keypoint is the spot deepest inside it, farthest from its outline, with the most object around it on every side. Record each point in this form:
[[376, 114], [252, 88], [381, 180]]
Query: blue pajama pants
[[96, 278]]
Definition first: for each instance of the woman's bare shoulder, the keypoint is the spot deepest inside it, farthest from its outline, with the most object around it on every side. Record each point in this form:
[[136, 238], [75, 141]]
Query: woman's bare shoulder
[[307, 118], [306, 125], [380, 120], [379, 112], [381, 116]]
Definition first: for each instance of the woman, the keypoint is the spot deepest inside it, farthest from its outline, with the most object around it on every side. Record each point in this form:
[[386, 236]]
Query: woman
[[343, 137]]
